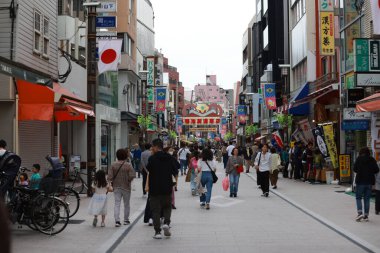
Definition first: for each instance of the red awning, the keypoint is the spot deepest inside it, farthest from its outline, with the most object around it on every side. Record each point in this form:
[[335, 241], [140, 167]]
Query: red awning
[[369, 104], [36, 102], [69, 109], [57, 88]]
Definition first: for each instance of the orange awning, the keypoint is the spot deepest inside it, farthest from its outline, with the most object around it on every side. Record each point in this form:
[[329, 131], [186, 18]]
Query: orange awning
[[69, 109], [369, 104], [36, 102]]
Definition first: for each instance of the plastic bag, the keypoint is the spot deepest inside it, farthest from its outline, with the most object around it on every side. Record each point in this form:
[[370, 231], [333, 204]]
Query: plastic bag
[[226, 183]]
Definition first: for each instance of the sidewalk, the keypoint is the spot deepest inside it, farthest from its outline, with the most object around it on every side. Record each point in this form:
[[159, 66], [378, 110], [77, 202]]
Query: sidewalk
[[79, 235], [332, 203], [249, 223]]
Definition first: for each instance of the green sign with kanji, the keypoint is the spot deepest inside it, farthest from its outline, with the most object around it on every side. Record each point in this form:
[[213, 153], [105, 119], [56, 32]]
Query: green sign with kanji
[[361, 48]]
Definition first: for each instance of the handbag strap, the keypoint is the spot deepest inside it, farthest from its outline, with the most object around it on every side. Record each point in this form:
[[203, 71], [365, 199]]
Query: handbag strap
[[258, 164], [209, 166], [117, 171]]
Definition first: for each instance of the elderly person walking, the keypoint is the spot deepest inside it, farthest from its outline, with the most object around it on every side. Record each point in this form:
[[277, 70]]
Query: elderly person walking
[[263, 165], [365, 168], [121, 175], [274, 168], [235, 162]]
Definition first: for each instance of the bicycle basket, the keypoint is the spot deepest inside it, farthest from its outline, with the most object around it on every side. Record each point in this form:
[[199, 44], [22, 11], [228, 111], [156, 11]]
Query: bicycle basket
[[51, 185]]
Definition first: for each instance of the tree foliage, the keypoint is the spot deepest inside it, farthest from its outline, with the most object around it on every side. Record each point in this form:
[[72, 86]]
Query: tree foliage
[[228, 136], [144, 121], [285, 120], [251, 129]]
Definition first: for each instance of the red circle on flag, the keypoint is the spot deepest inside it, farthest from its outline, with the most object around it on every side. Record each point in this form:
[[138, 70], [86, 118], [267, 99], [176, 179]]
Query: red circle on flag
[[108, 56]]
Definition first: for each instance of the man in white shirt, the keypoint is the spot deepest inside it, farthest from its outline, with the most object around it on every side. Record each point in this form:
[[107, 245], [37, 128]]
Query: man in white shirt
[[263, 164], [230, 148], [182, 153]]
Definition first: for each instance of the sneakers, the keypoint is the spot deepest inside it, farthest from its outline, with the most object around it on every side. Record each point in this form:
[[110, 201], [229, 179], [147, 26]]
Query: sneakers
[[150, 222], [166, 229], [95, 221], [274, 187], [203, 205], [359, 217], [127, 222], [157, 235], [265, 195], [365, 218], [207, 206], [117, 224]]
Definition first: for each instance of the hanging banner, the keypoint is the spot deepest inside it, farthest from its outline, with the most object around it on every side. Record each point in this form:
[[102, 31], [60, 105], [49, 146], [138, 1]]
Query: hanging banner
[[328, 131], [306, 129], [278, 139], [150, 75], [345, 168], [298, 136], [160, 99], [241, 112], [327, 39], [320, 140], [270, 95]]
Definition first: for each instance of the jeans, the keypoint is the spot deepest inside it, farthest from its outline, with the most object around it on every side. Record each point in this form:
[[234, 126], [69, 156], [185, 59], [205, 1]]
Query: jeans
[[136, 163], [126, 196], [158, 204], [363, 191], [234, 183], [207, 182], [193, 183], [183, 164]]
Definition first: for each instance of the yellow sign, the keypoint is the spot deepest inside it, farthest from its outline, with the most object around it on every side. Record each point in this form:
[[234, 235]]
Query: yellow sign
[[331, 146], [344, 166], [327, 38]]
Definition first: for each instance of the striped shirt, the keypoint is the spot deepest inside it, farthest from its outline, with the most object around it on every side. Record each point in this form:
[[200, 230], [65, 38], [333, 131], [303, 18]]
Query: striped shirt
[[125, 176]]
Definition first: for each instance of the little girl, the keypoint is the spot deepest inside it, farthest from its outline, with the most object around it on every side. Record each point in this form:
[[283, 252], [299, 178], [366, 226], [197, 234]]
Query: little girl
[[98, 203]]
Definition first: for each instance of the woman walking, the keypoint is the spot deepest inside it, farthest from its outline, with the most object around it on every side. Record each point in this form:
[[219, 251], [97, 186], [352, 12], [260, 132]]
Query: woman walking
[[365, 168], [193, 165], [263, 165], [275, 160], [233, 169], [121, 175], [205, 166]]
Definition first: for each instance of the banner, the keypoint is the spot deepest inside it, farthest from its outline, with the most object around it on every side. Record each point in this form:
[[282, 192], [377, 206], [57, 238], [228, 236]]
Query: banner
[[345, 168], [179, 125], [306, 129], [298, 136], [150, 75], [327, 39], [270, 95], [278, 139], [241, 112], [328, 132], [160, 99], [150, 95], [320, 140]]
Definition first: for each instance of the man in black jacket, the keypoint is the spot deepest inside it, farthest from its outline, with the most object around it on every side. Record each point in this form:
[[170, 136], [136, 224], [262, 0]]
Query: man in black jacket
[[162, 168]]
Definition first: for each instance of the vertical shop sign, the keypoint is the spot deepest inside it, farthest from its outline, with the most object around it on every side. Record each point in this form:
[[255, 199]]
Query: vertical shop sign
[[361, 49], [320, 140], [326, 5], [345, 168], [328, 132], [327, 39], [150, 66], [374, 59]]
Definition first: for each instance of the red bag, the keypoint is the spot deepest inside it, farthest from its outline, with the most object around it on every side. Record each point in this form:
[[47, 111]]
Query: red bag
[[239, 169]]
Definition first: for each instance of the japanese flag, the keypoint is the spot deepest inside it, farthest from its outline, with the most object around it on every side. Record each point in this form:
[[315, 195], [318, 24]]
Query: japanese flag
[[109, 55]]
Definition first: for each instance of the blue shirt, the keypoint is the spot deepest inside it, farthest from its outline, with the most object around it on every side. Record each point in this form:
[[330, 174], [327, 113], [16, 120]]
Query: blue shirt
[[35, 180], [137, 153]]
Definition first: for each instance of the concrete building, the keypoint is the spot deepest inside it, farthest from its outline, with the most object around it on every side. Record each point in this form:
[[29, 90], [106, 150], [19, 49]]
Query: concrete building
[[211, 93], [176, 90]]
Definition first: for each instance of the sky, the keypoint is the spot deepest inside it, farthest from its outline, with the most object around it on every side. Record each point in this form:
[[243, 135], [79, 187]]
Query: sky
[[202, 37]]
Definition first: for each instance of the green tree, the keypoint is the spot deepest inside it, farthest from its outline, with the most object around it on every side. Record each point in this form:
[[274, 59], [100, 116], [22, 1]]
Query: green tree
[[172, 136], [251, 129], [144, 122], [228, 136]]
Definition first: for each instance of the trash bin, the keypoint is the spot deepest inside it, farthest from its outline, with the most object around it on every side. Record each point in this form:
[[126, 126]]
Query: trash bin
[[329, 177]]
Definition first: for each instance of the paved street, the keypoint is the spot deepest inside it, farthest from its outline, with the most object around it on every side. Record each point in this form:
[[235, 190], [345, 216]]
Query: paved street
[[248, 223]]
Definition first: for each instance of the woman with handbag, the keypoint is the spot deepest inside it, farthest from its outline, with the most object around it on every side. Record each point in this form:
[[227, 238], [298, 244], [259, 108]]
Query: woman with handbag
[[233, 170], [120, 176], [274, 168], [206, 166]]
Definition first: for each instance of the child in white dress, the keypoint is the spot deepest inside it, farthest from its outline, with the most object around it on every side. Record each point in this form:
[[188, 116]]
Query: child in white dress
[[98, 203]]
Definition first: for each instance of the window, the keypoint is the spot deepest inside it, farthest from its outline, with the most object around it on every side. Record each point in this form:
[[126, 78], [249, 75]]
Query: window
[[127, 44], [298, 10], [46, 37], [37, 32]]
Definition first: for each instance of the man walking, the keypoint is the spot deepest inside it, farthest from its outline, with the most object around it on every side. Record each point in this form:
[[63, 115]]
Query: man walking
[[161, 168], [247, 153], [144, 162], [230, 148], [183, 153]]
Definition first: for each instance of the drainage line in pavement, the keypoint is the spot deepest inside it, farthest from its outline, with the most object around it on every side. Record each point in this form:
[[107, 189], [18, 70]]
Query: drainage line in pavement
[[125, 233], [352, 238]]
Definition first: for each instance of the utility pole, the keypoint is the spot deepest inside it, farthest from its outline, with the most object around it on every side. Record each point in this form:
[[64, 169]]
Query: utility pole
[[92, 91]]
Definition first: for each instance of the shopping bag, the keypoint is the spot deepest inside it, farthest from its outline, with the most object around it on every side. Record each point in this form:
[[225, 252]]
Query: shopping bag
[[188, 176], [226, 183], [240, 169]]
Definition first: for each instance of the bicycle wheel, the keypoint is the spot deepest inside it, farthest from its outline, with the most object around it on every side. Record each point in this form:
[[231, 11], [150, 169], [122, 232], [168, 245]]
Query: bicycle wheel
[[50, 215], [71, 198]]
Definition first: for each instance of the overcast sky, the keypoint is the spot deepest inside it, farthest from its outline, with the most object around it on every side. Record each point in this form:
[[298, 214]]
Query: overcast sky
[[203, 36]]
